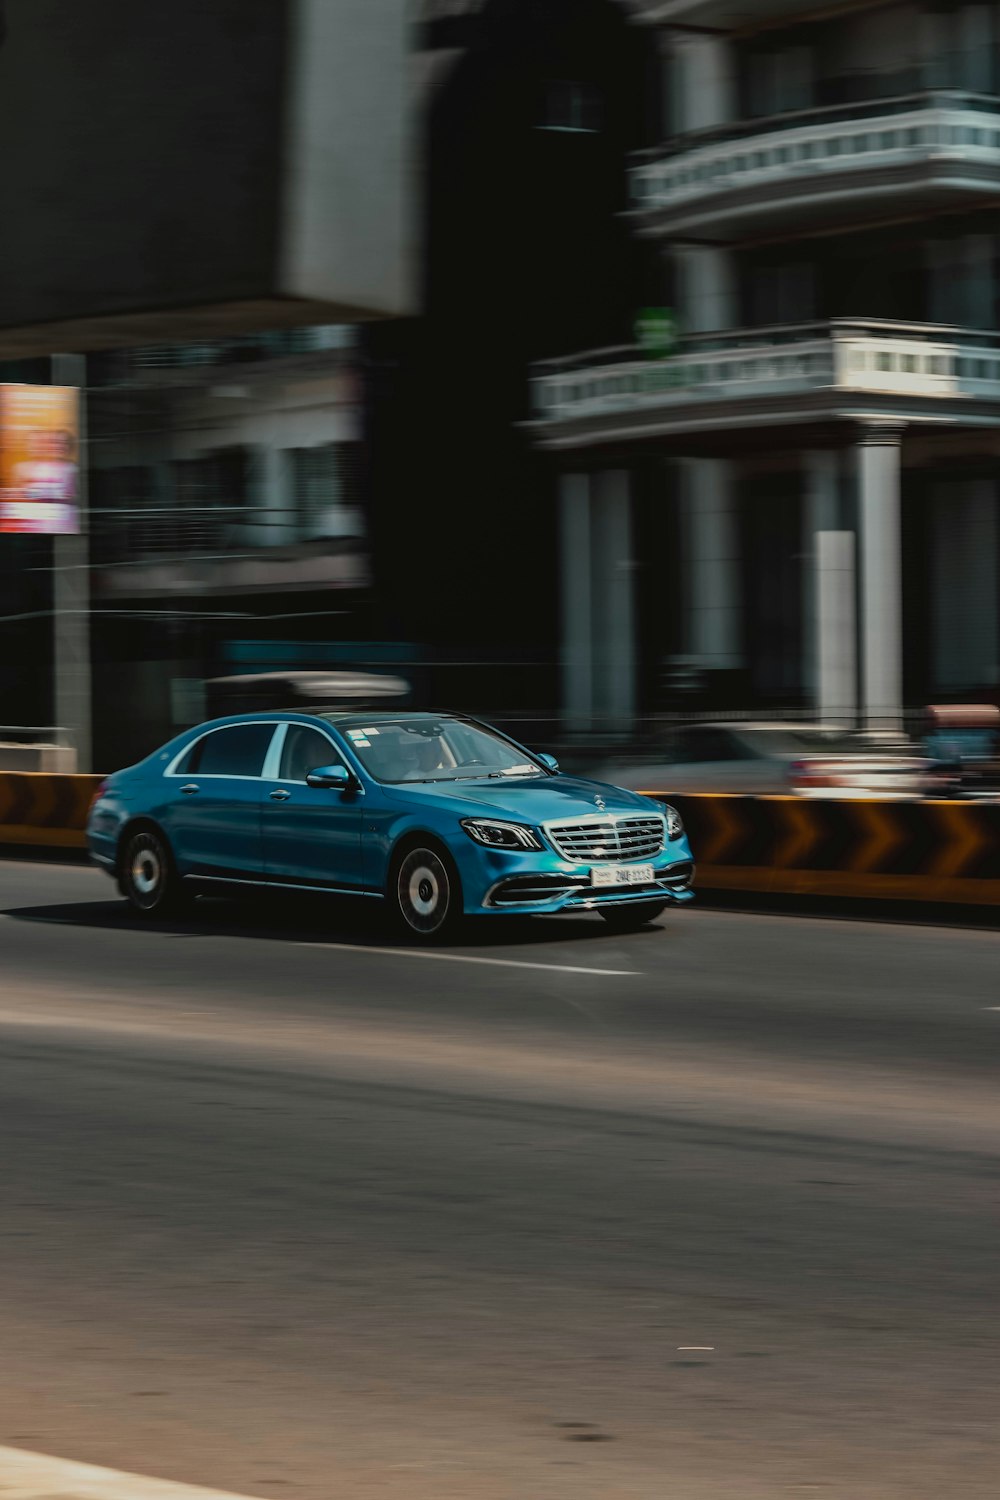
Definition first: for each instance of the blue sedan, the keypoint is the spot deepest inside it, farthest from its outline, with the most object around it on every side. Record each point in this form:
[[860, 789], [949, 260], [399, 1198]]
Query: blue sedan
[[437, 815]]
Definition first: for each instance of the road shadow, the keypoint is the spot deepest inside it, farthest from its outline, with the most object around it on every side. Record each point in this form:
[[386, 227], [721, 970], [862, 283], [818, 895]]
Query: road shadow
[[852, 909], [354, 923]]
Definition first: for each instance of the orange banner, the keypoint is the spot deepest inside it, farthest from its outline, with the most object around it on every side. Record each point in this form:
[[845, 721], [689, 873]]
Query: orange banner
[[39, 459]]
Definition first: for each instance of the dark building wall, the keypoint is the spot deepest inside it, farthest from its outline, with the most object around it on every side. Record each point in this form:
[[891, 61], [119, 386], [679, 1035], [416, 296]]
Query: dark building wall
[[172, 171], [140, 154], [526, 256]]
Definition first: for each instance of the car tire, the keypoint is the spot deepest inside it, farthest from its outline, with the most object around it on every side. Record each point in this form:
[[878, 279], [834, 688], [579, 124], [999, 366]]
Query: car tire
[[425, 894], [633, 916], [147, 875]]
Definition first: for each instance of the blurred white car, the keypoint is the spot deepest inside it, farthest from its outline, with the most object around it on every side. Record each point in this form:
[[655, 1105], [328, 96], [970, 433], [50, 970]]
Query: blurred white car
[[804, 759]]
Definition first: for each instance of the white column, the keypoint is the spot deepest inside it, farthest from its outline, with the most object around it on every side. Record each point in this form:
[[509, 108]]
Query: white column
[[820, 512], [71, 594], [613, 569], [277, 523], [575, 571], [966, 649], [706, 80], [711, 567], [706, 288], [836, 628], [879, 481]]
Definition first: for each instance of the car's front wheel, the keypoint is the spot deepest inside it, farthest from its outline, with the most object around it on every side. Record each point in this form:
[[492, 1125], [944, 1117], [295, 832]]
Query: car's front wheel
[[425, 898], [633, 916], [147, 876]]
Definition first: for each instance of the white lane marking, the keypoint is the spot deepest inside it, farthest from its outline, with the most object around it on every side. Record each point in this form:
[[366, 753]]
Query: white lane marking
[[467, 958], [451, 958], [35, 1476], [696, 1348]]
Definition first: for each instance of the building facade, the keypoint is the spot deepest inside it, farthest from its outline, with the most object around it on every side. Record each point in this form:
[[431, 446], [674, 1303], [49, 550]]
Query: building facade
[[791, 502], [228, 528]]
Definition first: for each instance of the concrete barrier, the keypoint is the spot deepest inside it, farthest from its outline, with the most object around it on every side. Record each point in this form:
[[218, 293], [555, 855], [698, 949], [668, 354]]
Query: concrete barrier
[[60, 759], [803, 846], [44, 811]]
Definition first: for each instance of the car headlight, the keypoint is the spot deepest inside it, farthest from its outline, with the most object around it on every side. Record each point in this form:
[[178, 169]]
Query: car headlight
[[675, 823], [501, 835]]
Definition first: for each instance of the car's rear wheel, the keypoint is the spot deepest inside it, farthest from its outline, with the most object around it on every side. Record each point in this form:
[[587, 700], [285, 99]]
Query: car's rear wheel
[[147, 875], [629, 918], [425, 897]]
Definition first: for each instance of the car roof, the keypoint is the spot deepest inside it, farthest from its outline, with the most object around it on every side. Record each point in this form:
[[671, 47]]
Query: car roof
[[787, 726], [333, 716], [385, 716]]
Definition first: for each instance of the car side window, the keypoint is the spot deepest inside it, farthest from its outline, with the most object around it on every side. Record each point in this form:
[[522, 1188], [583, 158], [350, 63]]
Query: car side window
[[305, 750], [238, 750], [189, 759], [707, 744]]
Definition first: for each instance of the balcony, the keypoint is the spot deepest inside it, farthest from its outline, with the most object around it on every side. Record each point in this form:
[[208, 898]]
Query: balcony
[[197, 551], [817, 168], [755, 378], [194, 364], [715, 15]]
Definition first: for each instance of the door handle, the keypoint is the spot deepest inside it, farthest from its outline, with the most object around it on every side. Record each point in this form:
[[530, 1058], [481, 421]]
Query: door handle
[[189, 790], [279, 796]]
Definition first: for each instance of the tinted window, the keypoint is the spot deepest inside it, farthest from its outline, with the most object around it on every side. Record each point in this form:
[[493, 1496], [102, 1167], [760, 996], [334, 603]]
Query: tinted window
[[422, 748], [305, 750], [189, 759], [708, 744], [238, 751]]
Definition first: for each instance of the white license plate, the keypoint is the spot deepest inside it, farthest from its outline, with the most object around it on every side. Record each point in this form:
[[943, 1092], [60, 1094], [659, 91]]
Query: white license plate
[[603, 875]]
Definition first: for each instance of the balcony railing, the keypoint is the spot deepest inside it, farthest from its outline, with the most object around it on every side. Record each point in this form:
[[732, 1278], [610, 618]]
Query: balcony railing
[[947, 129], [926, 361], [155, 533], [120, 366]]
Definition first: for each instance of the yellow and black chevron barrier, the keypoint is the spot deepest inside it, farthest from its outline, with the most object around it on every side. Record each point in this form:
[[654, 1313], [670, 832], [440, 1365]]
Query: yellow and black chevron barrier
[[909, 851], [43, 810], [902, 851]]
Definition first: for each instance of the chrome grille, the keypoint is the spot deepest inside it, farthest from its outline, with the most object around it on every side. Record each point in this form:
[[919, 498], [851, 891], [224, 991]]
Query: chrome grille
[[607, 839]]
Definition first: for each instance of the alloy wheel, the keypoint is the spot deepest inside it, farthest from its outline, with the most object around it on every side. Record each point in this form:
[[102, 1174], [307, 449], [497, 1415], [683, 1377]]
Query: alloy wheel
[[423, 890], [147, 870]]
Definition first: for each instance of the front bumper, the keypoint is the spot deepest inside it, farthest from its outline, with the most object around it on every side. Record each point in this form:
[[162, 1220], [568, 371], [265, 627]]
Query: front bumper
[[543, 882]]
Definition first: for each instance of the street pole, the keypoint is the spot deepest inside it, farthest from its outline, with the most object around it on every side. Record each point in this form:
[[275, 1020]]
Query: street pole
[[71, 594]]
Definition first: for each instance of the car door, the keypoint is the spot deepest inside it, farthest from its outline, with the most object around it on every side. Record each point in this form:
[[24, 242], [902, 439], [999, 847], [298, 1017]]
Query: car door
[[214, 813], [711, 759], [312, 835]]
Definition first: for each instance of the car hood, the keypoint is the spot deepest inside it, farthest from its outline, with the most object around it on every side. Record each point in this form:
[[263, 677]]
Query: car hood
[[546, 800]]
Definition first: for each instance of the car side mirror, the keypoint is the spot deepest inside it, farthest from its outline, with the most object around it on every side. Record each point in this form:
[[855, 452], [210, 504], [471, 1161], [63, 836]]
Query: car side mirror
[[336, 778], [549, 762]]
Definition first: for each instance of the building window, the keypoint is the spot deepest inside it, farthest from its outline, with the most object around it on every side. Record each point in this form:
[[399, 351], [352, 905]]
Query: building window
[[120, 503], [783, 293], [210, 492], [573, 107], [779, 79], [326, 488]]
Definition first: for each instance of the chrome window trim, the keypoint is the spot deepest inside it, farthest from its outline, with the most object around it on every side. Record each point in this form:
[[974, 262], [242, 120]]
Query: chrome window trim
[[172, 771]]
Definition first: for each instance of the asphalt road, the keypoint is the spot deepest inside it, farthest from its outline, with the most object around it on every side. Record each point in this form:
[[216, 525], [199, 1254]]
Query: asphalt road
[[708, 1211]]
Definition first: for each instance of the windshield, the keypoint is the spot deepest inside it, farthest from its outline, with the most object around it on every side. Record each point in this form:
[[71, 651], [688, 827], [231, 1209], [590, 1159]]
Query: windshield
[[796, 742], [433, 749]]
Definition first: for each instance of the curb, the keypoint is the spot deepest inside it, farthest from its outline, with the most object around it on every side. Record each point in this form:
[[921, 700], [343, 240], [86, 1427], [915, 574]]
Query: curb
[[34, 1476]]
